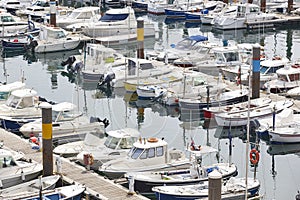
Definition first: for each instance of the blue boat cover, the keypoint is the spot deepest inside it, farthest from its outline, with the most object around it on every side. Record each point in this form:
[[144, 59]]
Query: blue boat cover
[[198, 38]]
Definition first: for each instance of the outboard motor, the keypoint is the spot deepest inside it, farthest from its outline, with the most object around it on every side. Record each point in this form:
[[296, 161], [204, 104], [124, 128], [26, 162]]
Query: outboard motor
[[69, 61], [106, 79], [105, 121]]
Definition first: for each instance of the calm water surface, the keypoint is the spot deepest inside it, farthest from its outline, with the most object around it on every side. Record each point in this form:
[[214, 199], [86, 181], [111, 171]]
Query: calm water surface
[[279, 174]]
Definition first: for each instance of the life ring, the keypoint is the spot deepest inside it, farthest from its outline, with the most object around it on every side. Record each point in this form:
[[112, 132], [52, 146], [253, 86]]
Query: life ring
[[254, 156], [152, 140]]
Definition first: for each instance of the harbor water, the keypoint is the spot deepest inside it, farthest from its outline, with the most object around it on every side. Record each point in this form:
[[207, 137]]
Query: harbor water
[[277, 170]]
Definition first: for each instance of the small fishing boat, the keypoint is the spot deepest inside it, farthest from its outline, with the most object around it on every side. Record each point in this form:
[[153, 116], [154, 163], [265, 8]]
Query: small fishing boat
[[21, 107], [7, 88], [234, 187], [240, 118], [198, 172], [238, 107], [150, 92], [68, 192], [36, 185], [288, 78], [116, 145], [53, 39], [65, 120], [146, 155], [14, 172]]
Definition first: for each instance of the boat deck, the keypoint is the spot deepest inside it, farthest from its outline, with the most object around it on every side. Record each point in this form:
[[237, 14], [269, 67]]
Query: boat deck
[[97, 186]]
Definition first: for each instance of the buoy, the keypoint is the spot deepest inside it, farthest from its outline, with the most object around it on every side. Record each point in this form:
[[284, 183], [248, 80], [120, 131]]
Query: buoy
[[254, 156], [152, 140]]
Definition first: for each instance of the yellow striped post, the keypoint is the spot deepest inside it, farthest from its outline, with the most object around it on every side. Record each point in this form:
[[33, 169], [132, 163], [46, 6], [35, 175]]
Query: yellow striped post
[[140, 37], [47, 139]]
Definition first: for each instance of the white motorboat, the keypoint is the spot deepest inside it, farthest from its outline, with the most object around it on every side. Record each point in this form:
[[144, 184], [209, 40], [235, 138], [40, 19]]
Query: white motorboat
[[238, 107], [207, 18], [268, 68], [65, 119], [97, 60], [13, 5], [116, 22], [246, 15], [20, 107], [198, 172], [13, 172], [91, 139], [78, 17], [36, 185], [234, 188], [117, 145], [150, 154], [12, 25], [240, 118], [194, 84], [53, 39], [150, 92], [288, 78], [139, 69], [63, 193]]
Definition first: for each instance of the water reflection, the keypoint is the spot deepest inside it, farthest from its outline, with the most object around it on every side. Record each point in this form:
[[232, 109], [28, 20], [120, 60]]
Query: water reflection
[[283, 149]]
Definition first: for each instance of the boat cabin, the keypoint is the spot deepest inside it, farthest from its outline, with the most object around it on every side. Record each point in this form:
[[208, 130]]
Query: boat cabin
[[84, 13], [52, 33], [289, 74], [245, 9], [153, 151], [6, 89], [268, 67], [227, 54], [64, 112], [121, 139], [189, 43], [22, 98]]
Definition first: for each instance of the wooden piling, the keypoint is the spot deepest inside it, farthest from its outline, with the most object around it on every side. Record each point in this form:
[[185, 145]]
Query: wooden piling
[[47, 139], [53, 13], [256, 72], [214, 185]]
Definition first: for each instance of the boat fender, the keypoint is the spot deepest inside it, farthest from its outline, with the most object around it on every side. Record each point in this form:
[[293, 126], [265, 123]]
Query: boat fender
[[254, 156], [31, 25], [152, 140]]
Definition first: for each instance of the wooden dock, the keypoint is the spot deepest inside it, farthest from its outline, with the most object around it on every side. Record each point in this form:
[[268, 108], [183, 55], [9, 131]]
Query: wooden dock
[[97, 187]]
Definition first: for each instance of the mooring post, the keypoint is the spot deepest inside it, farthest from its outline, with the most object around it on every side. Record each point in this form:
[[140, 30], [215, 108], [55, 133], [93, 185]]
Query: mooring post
[[214, 185], [256, 71], [140, 38], [53, 13], [47, 139]]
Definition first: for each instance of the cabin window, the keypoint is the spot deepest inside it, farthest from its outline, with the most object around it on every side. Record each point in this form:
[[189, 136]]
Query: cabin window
[[151, 153], [125, 144], [7, 19], [282, 77], [86, 15], [294, 77], [144, 66], [113, 17], [74, 15], [219, 58], [136, 152], [231, 56], [111, 142], [159, 151], [144, 155], [13, 101], [185, 44]]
